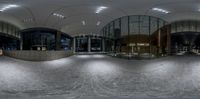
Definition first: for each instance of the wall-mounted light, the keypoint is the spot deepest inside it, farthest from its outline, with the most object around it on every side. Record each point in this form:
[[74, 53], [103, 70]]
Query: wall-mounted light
[[161, 10], [101, 8], [8, 7], [84, 23], [98, 23], [59, 15]]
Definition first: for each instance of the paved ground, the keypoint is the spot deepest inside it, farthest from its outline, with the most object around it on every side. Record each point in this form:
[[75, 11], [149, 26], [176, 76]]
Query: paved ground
[[100, 77]]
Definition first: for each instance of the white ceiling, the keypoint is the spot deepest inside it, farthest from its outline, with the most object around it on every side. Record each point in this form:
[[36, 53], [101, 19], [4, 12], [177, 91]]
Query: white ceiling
[[76, 11]]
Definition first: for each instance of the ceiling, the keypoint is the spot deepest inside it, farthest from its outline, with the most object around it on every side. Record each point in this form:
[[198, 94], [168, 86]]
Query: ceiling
[[39, 13]]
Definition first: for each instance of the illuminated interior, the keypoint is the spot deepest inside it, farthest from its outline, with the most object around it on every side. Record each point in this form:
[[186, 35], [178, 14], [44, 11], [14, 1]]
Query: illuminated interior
[[99, 49]]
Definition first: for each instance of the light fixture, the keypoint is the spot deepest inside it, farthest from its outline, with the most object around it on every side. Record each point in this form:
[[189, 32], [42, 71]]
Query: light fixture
[[101, 8], [8, 7], [161, 10], [84, 23], [28, 20], [59, 15], [98, 23]]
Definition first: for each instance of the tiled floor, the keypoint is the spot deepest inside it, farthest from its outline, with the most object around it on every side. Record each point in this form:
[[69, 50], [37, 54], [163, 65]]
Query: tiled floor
[[100, 77]]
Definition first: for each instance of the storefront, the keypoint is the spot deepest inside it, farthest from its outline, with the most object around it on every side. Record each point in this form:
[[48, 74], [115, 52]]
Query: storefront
[[138, 35]]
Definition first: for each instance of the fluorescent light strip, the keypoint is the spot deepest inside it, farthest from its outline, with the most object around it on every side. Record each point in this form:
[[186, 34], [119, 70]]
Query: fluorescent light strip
[[59, 15], [99, 9], [28, 20], [160, 10], [8, 7]]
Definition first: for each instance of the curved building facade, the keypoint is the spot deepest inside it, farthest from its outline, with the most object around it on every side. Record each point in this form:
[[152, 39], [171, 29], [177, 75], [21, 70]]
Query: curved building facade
[[185, 36], [9, 36], [138, 35]]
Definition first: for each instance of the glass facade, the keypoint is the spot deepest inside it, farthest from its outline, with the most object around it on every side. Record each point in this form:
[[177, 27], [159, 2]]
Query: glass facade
[[138, 35], [9, 29], [9, 43], [81, 44], [42, 39], [96, 44], [185, 26], [66, 42], [9, 36], [90, 43], [185, 36]]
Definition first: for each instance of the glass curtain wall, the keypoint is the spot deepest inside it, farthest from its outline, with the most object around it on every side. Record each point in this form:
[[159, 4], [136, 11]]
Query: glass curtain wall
[[37, 40], [139, 35], [185, 36], [9, 36], [96, 44], [82, 44], [89, 43], [43, 39], [66, 42]]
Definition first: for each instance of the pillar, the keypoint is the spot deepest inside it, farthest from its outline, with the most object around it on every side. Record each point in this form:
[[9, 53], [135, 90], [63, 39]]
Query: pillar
[[169, 40], [103, 45], [74, 44], [159, 41], [58, 38], [89, 43]]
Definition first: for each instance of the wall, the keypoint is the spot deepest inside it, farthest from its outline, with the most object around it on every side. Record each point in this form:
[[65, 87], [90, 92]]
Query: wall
[[38, 55]]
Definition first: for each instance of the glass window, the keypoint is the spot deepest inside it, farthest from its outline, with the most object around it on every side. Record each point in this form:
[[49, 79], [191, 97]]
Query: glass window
[[1, 26], [124, 26], [96, 44], [82, 44], [106, 31], [154, 25], [9, 29], [173, 28], [161, 23], [111, 30], [179, 27], [117, 24], [193, 26], [134, 25], [198, 26], [185, 26], [144, 25]]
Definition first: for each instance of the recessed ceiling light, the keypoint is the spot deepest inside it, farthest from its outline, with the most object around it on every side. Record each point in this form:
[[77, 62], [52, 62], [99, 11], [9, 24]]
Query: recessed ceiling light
[[101, 8], [161, 10], [8, 7], [84, 23], [98, 23], [59, 15]]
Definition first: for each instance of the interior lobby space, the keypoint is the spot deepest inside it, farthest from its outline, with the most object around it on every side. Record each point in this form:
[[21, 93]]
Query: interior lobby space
[[99, 49]]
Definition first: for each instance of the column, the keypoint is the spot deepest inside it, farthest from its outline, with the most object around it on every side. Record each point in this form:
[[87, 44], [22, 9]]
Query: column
[[89, 43], [58, 38], [168, 40], [21, 44], [74, 44], [159, 43], [103, 45]]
